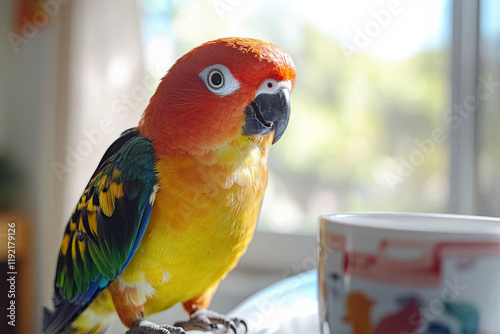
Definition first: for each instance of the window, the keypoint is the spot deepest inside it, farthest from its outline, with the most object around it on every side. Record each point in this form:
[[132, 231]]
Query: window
[[369, 127]]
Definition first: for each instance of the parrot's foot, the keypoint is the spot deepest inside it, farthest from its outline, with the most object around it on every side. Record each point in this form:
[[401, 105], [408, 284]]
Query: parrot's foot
[[205, 320], [147, 327]]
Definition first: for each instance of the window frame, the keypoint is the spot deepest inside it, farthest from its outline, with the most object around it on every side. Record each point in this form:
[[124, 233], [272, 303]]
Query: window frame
[[463, 184]]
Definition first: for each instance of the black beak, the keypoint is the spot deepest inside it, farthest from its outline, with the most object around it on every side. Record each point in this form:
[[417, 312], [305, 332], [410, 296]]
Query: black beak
[[268, 113]]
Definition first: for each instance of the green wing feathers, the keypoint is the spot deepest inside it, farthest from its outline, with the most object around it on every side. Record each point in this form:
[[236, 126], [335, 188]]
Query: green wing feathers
[[105, 228]]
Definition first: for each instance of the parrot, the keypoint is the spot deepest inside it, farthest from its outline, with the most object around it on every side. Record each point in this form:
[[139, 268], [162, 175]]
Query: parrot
[[174, 201]]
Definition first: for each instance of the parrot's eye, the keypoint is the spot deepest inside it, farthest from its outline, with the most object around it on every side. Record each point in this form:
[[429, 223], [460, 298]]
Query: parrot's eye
[[215, 79], [219, 80]]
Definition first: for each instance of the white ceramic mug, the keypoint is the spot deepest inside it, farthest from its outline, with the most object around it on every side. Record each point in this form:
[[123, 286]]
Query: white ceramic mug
[[402, 273]]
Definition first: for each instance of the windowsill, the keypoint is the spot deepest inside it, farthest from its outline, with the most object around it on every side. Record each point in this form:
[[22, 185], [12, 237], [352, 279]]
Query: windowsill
[[271, 257]]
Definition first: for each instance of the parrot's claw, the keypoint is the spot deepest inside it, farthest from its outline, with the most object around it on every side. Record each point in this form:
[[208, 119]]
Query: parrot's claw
[[147, 327], [205, 320]]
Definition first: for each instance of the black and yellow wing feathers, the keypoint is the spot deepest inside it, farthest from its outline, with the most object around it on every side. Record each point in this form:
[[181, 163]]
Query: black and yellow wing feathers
[[105, 228]]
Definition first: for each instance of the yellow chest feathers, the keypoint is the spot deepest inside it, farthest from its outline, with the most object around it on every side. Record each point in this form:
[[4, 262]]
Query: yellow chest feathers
[[222, 185], [203, 217]]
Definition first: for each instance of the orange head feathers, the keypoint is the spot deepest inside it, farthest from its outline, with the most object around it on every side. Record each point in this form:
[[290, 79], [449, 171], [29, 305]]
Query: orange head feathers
[[218, 91]]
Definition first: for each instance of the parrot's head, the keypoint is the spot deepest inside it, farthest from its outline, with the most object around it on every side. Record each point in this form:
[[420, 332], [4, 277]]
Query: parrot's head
[[218, 92]]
